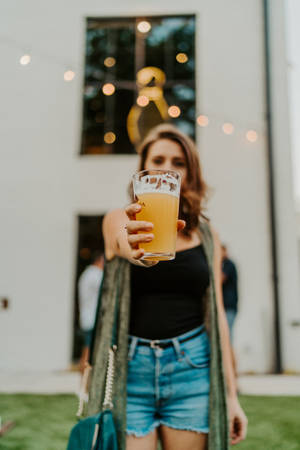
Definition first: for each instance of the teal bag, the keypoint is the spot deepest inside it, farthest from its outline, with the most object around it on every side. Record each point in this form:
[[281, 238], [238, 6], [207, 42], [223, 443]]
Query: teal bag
[[94, 433], [98, 432]]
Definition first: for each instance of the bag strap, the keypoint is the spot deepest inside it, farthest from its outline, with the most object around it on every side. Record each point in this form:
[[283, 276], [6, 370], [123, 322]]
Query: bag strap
[[114, 335], [107, 403], [99, 302], [116, 313], [110, 371]]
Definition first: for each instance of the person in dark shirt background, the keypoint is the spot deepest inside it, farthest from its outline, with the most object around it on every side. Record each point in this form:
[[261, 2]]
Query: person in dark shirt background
[[230, 294]]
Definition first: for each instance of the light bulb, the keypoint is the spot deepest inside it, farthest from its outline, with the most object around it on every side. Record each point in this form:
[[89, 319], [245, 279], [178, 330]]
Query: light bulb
[[144, 26], [69, 75], [251, 136], [108, 89], [174, 111], [25, 59], [202, 120], [182, 58], [142, 100], [228, 128], [109, 137]]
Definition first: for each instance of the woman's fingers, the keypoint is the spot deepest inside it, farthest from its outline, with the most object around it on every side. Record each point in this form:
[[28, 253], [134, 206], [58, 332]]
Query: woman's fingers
[[138, 253], [134, 235], [242, 429], [231, 429], [180, 225], [238, 431], [132, 210], [133, 226], [136, 239]]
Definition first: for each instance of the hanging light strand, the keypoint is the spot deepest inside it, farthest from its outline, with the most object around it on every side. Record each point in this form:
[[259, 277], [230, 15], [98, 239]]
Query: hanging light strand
[[203, 120]]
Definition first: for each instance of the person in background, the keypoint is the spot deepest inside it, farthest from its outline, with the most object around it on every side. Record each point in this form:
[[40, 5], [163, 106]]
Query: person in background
[[88, 289], [230, 291], [230, 294]]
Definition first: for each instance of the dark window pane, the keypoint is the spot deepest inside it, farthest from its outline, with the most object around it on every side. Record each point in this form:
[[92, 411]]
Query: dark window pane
[[114, 120]]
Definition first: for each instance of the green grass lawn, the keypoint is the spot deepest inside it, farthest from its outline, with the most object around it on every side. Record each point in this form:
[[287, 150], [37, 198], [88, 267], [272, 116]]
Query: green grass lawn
[[43, 422]]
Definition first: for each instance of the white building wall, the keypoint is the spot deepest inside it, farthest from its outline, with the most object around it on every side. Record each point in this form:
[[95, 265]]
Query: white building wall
[[44, 184], [287, 247], [293, 61], [233, 86]]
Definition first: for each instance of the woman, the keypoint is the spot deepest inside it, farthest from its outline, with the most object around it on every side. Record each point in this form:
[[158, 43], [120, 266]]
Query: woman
[[169, 381]]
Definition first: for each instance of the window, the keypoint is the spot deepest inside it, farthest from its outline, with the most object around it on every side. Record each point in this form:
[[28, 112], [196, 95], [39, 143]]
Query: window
[[138, 72]]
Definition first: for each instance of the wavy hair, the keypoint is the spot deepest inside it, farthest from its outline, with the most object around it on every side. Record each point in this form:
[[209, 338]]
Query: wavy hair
[[194, 190]]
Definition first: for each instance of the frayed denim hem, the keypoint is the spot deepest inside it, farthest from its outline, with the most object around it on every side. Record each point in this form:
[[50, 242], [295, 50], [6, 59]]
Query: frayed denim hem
[[143, 432], [204, 430]]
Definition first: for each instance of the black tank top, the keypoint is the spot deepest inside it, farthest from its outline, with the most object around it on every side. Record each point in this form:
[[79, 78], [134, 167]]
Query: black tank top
[[167, 299]]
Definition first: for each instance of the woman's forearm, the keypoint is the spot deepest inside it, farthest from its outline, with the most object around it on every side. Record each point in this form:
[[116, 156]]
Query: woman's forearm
[[223, 325], [227, 356]]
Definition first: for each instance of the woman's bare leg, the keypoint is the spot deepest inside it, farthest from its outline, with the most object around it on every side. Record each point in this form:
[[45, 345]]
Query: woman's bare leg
[[173, 439], [148, 442]]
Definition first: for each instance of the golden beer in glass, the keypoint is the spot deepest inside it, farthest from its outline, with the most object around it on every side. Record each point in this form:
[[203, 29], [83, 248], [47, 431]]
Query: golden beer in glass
[[157, 191]]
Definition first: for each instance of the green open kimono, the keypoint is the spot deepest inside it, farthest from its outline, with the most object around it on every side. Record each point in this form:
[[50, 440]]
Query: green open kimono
[[116, 284]]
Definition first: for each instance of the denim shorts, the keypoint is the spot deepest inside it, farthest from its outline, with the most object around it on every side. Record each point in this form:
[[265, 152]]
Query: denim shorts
[[168, 386]]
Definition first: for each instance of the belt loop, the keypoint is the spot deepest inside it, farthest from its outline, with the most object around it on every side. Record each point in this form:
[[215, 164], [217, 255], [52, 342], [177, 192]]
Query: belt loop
[[176, 345], [132, 347], [154, 344]]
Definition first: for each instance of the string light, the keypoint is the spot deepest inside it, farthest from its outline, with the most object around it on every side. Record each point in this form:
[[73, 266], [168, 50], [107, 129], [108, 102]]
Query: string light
[[182, 58], [108, 89], [174, 111], [144, 26], [110, 61], [251, 136], [109, 137], [228, 128], [25, 59], [142, 100], [202, 120], [69, 75]]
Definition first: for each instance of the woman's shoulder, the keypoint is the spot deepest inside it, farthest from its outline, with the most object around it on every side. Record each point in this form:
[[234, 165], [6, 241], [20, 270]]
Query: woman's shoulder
[[207, 225], [216, 246], [208, 228], [214, 232]]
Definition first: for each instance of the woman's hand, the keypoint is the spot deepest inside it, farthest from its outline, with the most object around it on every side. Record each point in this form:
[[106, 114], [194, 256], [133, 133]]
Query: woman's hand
[[238, 421], [135, 237], [133, 228]]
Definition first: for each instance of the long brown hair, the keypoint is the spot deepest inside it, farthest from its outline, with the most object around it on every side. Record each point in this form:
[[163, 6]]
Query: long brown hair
[[194, 189]]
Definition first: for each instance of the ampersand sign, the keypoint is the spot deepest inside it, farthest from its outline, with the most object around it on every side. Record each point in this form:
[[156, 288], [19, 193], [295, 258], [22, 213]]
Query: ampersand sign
[[151, 108]]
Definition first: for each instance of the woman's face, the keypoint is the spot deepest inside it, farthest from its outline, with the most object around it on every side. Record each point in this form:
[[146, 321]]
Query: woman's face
[[167, 155]]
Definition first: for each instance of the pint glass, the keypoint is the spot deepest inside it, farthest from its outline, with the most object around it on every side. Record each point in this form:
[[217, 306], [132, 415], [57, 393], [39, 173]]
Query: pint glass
[[157, 191]]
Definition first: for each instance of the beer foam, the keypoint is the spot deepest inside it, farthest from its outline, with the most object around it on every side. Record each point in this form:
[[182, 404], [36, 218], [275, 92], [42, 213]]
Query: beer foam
[[159, 183]]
